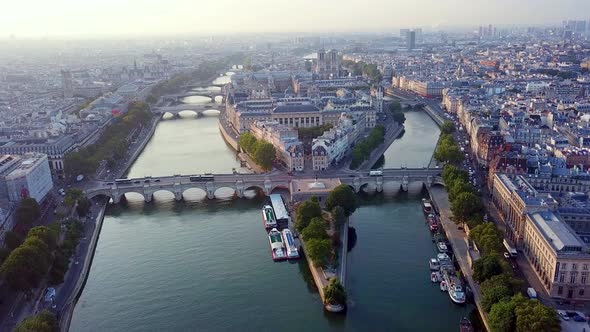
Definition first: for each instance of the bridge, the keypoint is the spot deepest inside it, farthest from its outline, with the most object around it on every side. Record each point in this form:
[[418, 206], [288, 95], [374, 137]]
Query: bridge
[[178, 96], [196, 108], [265, 183]]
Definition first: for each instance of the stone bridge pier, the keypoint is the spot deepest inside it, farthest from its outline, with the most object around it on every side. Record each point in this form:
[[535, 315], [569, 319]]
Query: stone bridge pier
[[429, 181], [267, 187], [210, 189], [379, 184], [356, 183], [240, 188], [405, 182]]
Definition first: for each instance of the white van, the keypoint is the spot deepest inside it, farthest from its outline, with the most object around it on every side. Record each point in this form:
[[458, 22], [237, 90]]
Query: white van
[[531, 293]]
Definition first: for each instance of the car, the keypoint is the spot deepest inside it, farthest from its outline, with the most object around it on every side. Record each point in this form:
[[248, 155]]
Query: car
[[136, 182], [578, 318], [506, 255], [563, 315], [157, 180], [110, 183], [146, 181]]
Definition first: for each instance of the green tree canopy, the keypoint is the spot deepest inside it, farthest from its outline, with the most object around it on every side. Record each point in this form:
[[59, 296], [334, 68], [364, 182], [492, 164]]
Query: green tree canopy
[[338, 215], [28, 211], [315, 230], [318, 250], [83, 206], [344, 197], [465, 205], [247, 142], [46, 234], [447, 127], [487, 267], [497, 288], [502, 317], [44, 321], [72, 195], [305, 212], [334, 292], [534, 316], [264, 154], [458, 187], [487, 237]]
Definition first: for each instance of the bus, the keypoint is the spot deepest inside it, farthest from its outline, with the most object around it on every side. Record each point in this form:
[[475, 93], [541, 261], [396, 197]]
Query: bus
[[281, 214], [375, 173], [200, 178], [122, 181]]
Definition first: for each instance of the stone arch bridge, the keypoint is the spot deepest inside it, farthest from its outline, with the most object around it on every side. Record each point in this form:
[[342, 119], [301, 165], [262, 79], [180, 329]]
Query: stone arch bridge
[[266, 183]]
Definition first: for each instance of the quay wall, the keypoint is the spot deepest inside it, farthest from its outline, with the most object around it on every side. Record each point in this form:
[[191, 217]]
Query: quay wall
[[65, 318], [229, 139], [434, 115]]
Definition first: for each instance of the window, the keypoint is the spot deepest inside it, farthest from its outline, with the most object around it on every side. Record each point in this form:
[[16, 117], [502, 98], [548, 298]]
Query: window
[[581, 292], [585, 267], [574, 266], [562, 277], [573, 276], [584, 278], [564, 266], [559, 290]]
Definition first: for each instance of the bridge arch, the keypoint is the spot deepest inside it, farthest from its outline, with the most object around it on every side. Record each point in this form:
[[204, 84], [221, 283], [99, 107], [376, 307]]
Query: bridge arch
[[224, 193], [131, 194], [194, 194], [165, 194], [259, 190]]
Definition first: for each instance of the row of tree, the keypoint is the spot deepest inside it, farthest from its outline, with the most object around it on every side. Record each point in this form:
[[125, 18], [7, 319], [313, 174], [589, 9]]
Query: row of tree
[[368, 70], [447, 150], [500, 289], [112, 144], [26, 265], [362, 150], [261, 151]]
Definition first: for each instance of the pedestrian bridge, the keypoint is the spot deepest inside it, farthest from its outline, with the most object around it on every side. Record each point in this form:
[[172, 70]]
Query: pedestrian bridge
[[265, 183]]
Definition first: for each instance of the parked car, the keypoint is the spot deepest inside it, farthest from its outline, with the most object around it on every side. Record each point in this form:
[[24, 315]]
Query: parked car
[[563, 315]]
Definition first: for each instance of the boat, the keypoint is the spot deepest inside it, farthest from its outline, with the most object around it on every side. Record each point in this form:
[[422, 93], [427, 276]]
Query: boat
[[426, 206], [277, 247], [433, 227], [434, 264], [430, 218], [435, 277], [442, 247], [443, 286], [292, 251], [465, 325], [268, 216], [455, 288]]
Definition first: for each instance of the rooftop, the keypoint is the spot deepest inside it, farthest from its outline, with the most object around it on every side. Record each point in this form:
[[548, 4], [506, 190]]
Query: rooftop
[[556, 232]]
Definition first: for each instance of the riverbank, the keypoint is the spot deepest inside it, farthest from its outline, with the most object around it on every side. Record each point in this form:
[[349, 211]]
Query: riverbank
[[65, 316], [460, 244]]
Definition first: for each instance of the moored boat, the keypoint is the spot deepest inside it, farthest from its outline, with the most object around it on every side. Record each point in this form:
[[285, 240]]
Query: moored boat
[[442, 247], [433, 227], [426, 206], [434, 264], [465, 325], [277, 247], [443, 286], [292, 251], [455, 288], [435, 277], [268, 216]]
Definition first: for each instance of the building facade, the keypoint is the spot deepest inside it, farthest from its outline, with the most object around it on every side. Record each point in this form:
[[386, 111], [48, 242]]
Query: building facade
[[29, 177]]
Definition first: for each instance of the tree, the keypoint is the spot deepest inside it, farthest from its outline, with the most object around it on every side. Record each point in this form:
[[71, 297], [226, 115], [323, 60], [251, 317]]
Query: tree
[[487, 237], [334, 292], [12, 240], [498, 288], [46, 234], [73, 195], [338, 216], [315, 230], [459, 187], [247, 141], [305, 212], [264, 154], [502, 317], [83, 206], [318, 250], [534, 316], [487, 267], [452, 173], [465, 205], [28, 211], [344, 197], [44, 321], [447, 127]]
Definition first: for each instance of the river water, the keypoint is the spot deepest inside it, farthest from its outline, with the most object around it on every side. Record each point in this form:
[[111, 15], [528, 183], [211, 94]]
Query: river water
[[206, 266]]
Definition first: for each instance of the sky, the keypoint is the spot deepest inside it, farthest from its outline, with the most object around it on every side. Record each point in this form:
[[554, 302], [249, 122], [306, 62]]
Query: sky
[[43, 18]]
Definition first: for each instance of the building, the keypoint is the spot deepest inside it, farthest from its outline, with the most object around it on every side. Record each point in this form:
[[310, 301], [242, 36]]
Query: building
[[288, 147], [29, 176], [514, 197], [327, 64], [67, 84], [558, 256], [411, 40]]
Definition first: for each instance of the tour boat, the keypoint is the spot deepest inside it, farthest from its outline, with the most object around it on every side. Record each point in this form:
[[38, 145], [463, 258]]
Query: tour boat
[[426, 206], [465, 325], [443, 286], [277, 247], [455, 288], [292, 251], [442, 247], [268, 216], [434, 264]]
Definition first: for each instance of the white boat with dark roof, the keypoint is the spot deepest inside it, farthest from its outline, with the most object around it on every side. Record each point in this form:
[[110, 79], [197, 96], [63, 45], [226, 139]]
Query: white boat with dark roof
[[268, 216], [292, 251], [277, 247]]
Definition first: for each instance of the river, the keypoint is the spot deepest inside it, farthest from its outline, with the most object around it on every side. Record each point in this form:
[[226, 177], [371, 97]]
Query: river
[[206, 266]]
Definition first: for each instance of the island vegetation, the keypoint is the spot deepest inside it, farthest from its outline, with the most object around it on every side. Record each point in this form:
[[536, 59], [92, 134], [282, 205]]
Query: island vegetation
[[397, 112], [262, 152], [368, 70], [362, 150], [448, 150]]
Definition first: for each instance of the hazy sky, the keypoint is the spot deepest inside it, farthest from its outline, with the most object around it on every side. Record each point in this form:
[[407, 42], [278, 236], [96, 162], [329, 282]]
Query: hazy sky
[[123, 17]]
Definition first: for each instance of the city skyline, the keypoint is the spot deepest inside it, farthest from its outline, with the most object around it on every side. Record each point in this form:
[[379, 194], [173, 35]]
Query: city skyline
[[147, 18]]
